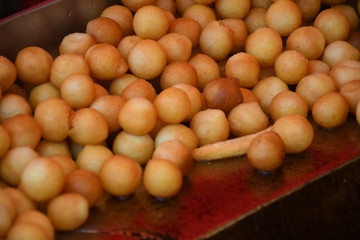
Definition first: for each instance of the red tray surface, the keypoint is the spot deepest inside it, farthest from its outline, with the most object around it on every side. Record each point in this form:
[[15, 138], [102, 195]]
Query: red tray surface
[[218, 194]]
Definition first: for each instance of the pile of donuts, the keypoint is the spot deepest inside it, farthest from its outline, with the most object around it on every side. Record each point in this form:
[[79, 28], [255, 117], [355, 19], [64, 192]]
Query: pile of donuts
[[151, 87]]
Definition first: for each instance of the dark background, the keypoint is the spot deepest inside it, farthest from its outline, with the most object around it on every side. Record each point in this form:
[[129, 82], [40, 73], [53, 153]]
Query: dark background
[[9, 7]]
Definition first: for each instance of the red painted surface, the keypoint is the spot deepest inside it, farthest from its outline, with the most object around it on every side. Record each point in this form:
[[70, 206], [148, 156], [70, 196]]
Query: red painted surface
[[217, 194]]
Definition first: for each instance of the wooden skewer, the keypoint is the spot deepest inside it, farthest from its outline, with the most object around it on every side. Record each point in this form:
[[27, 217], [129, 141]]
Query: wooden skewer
[[225, 149]]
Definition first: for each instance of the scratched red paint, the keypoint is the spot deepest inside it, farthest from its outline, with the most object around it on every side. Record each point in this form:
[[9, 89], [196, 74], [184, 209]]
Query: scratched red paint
[[218, 193]]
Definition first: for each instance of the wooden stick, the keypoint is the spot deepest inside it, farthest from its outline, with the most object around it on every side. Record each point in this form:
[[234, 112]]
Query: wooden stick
[[225, 149]]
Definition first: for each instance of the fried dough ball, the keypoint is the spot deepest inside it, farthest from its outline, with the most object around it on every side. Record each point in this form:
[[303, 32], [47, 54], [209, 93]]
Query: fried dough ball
[[182, 5], [206, 68], [126, 44], [284, 17], [11, 105], [76, 43], [216, 40], [150, 22], [178, 72], [317, 66], [333, 24], [67, 64], [105, 62], [249, 96], [23, 130], [42, 92], [354, 39], [338, 51], [100, 91], [7, 202], [49, 148], [267, 72], [266, 152], [312, 86], [68, 211], [120, 175], [13, 162], [147, 59], [244, 67], [78, 90], [137, 116], [135, 5], [330, 110], [261, 3], [232, 8], [308, 8], [205, 2], [188, 27], [53, 116], [178, 132], [5, 141], [255, 19], [345, 71], [109, 106], [267, 89], [265, 44], [195, 97], [122, 15], [222, 65], [170, 16], [239, 28], [162, 178], [139, 88], [75, 148], [177, 46], [350, 13], [33, 65], [172, 105], [33, 175], [168, 5], [290, 66], [201, 13], [295, 131], [86, 183], [176, 152], [222, 93], [16, 89], [91, 157], [5, 221], [67, 164], [119, 84], [8, 73], [357, 113], [104, 30], [159, 124], [26, 230], [351, 92], [333, 2], [288, 103], [22, 202], [88, 126], [40, 219], [210, 126], [138, 147], [247, 118], [307, 40]]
